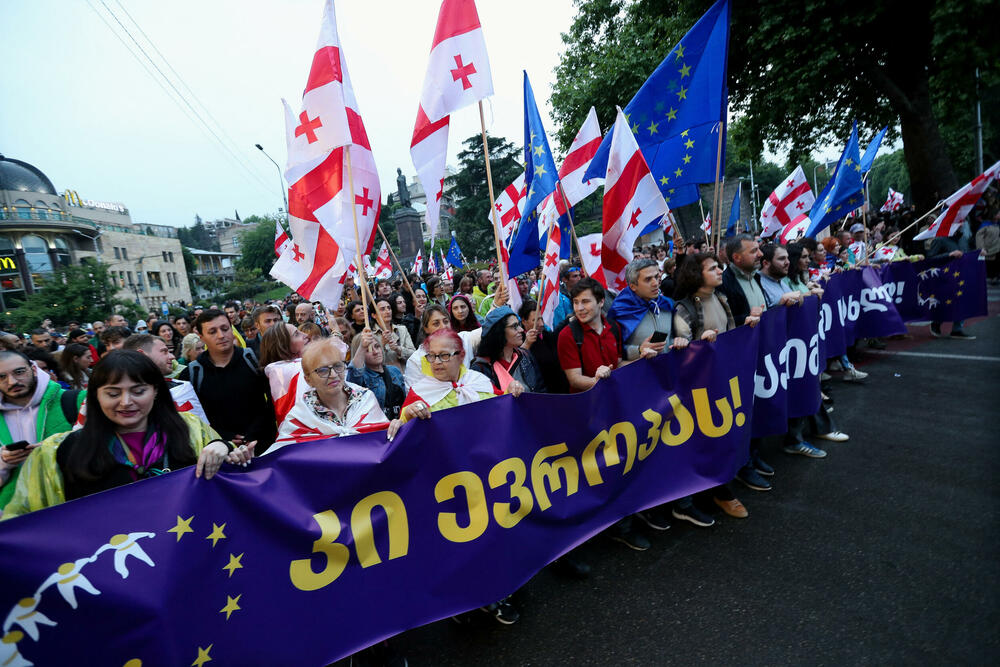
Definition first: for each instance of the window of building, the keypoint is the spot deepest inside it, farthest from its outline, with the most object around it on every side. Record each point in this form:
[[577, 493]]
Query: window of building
[[118, 254], [129, 274], [23, 209], [62, 251], [170, 280], [155, 281], [164, 253], [124, 253], [41, 210], [121, 279], [36, 253], [171, 257]]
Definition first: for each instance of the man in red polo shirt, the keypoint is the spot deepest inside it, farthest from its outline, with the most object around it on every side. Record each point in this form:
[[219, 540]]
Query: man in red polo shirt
[[589, 346]]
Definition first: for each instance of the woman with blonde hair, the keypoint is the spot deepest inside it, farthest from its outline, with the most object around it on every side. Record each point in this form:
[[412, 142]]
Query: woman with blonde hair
[[191, 346]]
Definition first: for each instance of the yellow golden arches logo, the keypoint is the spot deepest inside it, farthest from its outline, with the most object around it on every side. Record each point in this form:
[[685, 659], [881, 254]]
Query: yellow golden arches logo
[[7, 263]]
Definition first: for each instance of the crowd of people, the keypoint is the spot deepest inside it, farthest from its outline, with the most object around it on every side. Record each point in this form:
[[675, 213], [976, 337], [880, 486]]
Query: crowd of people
[[87, 407]]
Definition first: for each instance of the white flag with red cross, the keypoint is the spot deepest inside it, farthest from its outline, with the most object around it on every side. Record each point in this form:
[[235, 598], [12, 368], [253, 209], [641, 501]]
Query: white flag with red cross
[[281, 239], [318, 140], [632, 200], [383, 266], [706, 225], [959, 205], [572, 169], [550, 277], [795, 229], [792, 197], [590, 245], [893, 201], [432, 264], [458, 74], [509, 203], [418, 263]]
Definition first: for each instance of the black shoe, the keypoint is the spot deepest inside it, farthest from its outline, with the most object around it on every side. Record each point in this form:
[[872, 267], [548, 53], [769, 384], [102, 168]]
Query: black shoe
[[961, 335], [573, 567], [936, 331], [752, 479], [632, 540], [761, 467], [876, 343], [503, 611], [692, 514], [656, 518]]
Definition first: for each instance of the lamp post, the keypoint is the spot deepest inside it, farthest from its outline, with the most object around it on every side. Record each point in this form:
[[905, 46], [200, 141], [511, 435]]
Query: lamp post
[[281, 178], [826, 166]]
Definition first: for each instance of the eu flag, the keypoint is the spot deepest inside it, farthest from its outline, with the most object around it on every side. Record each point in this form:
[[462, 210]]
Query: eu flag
[[869, 157], [540, 177], [454, 256], [843, 193], [734, 212], [679, 110]]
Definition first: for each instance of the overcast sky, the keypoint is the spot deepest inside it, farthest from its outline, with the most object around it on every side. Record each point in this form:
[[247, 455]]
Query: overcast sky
[[77, 105]]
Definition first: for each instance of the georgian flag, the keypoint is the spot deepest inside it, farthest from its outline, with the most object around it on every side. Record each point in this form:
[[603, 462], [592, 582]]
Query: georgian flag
[[550, 277], [959, 205], [320, 205], [631, 201], [571, 172], [281, 239], [884, 253], [509, 205], [706, 225], [432, 264], [383, 266], [418, 263], [795, 229], [893, 201], [458, 74], [792, 197], [590, 245]]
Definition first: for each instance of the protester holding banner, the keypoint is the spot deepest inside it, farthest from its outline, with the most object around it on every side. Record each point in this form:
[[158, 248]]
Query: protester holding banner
[[773, 277], [369, 370], [133, 432], [500, 356], [643, 313], [947, 246]]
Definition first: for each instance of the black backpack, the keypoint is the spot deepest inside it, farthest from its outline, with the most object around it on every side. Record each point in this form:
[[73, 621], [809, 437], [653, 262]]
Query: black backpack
[[576, 330], [196, 373]]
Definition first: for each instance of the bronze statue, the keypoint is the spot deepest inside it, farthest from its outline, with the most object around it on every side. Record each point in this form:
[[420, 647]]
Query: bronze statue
[[404, 192]]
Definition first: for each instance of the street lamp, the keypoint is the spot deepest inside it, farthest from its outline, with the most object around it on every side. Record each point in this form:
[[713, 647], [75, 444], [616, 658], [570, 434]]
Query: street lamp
[[281, 179], [825, 165]]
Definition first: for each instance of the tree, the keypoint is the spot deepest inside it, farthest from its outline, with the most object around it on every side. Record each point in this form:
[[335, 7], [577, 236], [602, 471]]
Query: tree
[[472, 208], [197, 236], [800, 72], [84, 293], [257, 244]]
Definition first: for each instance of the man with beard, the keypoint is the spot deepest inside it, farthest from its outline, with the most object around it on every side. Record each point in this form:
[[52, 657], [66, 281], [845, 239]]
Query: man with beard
[[32, 407]]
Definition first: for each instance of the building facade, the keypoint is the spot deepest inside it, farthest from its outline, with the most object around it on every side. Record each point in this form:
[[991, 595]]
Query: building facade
[[41, 230], [212, 270]]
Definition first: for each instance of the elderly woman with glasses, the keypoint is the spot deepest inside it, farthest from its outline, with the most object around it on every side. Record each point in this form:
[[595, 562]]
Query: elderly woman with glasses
[[331, 406]]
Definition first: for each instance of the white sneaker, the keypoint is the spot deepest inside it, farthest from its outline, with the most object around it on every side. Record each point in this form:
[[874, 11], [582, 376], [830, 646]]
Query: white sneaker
[[854, 375], [824, 376], [835, 436], [834, 366]]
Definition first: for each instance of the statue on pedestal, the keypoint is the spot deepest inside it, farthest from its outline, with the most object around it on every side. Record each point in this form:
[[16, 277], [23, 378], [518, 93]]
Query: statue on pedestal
[[404, 192]]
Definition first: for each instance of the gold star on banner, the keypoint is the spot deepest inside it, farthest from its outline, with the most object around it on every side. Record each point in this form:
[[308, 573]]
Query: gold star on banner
[[957, 273], [671, 191], [635, 128], [666, 200], [687, 159], [852, 200], [672, 114], [628, 117], [539, 151], [948, 302], [664, 180], [231, 605], [678, 172], [531, 193], [652, 127], [828, 209], [685, 132], [961, 282], [203, 656], [216, 533], [183, 526], [689, 144], [682, 93], [685, 70], [857, 167], [234, 564], [680, 51], [958, 293], [848, 161]]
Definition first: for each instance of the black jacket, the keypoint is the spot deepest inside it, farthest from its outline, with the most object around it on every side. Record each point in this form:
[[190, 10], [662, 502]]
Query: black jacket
[[525, 371], [738, 304]]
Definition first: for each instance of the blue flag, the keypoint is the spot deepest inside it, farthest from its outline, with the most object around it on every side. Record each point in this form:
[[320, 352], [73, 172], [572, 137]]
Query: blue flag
[[843, 193], [734, 212], [869, 157], [540, 177], [454, 256], [678, 111]]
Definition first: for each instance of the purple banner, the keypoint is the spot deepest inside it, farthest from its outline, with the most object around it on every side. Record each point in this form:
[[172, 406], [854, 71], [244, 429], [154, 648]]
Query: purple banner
[[352, 540], [942, 289], [856, 305]]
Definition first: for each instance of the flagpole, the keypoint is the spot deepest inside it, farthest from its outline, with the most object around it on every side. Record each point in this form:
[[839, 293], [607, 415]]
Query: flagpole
[[716, 204], [493, 202], [378, 317], [572, 227], [402, 271], [548, 235], [357, 236], [702, 225], [899, 234]]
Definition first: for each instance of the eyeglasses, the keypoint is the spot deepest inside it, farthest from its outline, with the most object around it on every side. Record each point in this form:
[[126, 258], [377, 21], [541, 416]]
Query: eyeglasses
[[444, 357], [324, 371], [516, 325], [18, 373]]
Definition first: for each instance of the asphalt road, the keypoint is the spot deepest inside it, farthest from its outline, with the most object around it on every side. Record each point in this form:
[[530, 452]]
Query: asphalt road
[[884, 552]]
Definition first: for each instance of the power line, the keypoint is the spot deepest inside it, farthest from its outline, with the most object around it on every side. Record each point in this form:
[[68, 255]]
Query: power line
[[183, 98]]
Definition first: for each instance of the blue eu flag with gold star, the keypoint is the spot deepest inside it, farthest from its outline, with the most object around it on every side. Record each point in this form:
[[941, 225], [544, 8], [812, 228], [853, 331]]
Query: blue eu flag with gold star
[[844, 192], [680, 109], [540, 178]]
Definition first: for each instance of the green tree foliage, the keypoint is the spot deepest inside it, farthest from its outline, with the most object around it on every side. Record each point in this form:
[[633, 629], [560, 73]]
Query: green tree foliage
[[189, 265], [197, 236], [257, 244], [85, 292], [470, 191], [889, 171], [800, 72]]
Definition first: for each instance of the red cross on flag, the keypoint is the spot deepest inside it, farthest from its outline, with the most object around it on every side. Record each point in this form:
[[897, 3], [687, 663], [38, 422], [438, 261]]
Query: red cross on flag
[[281, 239], [458, 74], [318, 194], [795, 229], [571, 172], [383, 267], [706, 225], [508, 204], [959, 205], [792, 197], [418, 263], [432, 264], [631, 201], [591, 246], [550, 277], [893, 201]]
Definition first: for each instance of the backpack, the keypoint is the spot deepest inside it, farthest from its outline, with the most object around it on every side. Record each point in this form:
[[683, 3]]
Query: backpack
[[68, 405], [576, 330], [197, 373]]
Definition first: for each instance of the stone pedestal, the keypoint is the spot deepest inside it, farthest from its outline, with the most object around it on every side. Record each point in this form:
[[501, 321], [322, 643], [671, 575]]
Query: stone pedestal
[[410, 233]]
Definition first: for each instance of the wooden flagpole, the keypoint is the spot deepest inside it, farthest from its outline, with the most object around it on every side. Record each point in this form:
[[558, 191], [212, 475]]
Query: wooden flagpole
[[493, 202], [716, 204], [357, 237], [541, 292], [572, 227], [899, 234], [402, 271], [702, 225]]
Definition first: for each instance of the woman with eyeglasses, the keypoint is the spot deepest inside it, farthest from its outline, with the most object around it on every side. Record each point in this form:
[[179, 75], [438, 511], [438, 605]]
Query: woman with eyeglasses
[[330, 406], [501, 358]]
